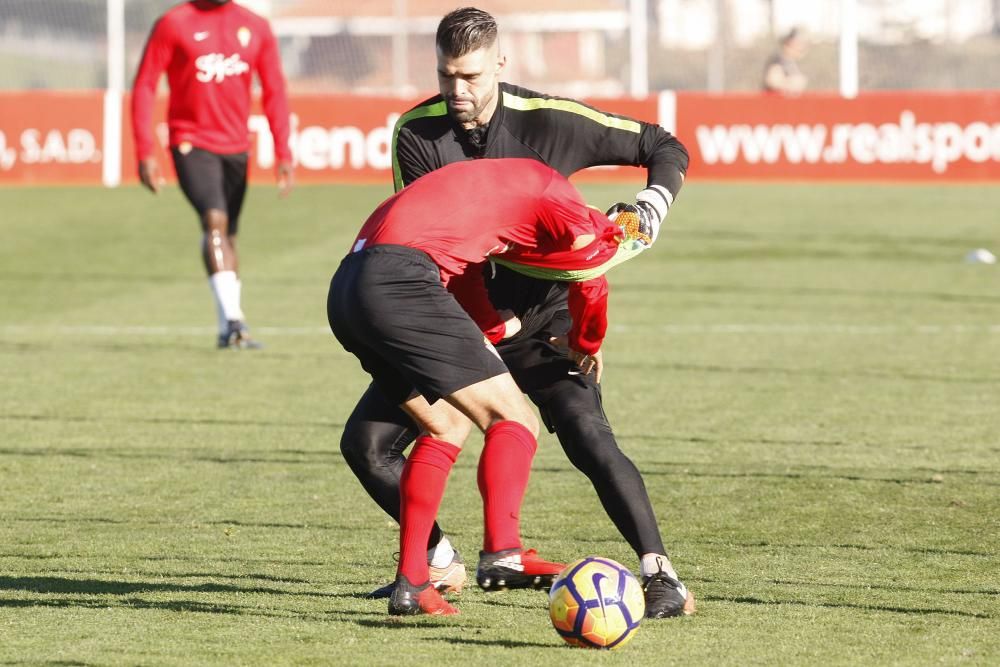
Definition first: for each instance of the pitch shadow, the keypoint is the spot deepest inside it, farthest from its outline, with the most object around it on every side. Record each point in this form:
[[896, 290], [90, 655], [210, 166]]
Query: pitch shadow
[[403, 623], [201, 421], [502, 643], [108, 587]]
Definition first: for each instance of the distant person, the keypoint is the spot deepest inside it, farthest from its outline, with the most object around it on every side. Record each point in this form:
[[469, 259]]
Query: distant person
[[781, 72], [210, 50]]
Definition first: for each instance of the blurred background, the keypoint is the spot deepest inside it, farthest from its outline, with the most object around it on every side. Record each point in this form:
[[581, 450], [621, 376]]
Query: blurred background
[[878, 89], [580, 48]]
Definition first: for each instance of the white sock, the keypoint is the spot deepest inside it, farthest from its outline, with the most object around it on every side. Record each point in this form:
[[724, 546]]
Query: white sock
[[220, 314], [653, 563], [239, 296], [442, 554], [225, 288]]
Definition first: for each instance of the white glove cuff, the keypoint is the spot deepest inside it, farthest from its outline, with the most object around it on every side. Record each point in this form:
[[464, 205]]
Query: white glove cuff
[[658, 197]]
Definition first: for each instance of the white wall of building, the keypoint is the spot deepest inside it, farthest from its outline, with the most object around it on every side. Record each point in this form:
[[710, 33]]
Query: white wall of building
[[692, 23]]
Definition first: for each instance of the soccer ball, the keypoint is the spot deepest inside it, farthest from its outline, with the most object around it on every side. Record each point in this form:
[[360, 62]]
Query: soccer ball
[[596, 603]]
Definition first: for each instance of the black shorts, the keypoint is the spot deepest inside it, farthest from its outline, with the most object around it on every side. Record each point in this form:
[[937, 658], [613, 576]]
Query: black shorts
[[387, 306], [212, 180]]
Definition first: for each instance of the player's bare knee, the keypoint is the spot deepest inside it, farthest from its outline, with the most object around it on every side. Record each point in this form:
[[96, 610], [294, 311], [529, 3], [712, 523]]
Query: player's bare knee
[[452, 427], [454, 437], [215, 222], [509, 407], [214, 238], [531, 423], [520, 411], [516, 408]]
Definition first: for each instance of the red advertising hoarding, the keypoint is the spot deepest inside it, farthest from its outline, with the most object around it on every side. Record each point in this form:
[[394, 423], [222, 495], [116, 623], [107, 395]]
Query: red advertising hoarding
[[51, 137], [347, 139], [58, 137], [883, 136]]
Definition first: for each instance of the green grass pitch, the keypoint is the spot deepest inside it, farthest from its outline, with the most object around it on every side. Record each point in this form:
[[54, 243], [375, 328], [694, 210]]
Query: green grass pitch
[[808, 376]]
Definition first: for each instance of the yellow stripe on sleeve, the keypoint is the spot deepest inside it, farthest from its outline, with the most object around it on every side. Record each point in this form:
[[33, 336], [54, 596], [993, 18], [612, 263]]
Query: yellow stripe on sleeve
[[533, 103]]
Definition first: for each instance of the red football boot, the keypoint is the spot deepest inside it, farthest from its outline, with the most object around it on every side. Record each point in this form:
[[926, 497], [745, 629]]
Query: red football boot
[[407, 600]]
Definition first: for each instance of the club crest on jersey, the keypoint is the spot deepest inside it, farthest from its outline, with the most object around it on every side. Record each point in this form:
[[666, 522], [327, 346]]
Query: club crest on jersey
[[216, 67], [243, 34]]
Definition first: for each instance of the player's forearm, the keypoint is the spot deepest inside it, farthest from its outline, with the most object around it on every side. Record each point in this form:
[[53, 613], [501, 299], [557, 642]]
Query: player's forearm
[[143, 98], [639, 144], [588, 306], [469, 290], [666, 161], [277, 114], [275, 103]]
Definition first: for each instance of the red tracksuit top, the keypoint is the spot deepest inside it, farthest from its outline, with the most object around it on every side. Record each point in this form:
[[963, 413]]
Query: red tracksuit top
[[210, 52], [466, 212]]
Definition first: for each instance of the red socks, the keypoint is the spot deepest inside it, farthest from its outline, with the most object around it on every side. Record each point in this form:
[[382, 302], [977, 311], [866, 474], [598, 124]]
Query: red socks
[[504, 468], [421, 488], [503, 473]]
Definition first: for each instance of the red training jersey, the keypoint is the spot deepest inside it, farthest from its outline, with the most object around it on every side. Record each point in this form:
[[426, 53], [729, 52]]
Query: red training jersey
[[464, 213], [210, 53]]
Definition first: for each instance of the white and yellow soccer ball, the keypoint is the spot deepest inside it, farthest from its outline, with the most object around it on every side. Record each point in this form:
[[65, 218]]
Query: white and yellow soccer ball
[[596, 603]]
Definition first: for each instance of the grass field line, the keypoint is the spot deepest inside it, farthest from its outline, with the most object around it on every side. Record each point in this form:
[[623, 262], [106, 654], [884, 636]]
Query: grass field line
[[678, 329]]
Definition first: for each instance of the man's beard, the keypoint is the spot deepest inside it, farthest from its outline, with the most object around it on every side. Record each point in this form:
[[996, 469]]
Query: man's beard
[[470, 115], [463, 116]]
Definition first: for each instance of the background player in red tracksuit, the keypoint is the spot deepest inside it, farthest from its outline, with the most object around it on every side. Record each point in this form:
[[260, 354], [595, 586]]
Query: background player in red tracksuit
[[210, 50], [389, 306]]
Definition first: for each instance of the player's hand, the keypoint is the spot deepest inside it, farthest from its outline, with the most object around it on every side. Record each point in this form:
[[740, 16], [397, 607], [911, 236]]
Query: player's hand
[[589, 363], [286, 178], [512, 324], [636, 222], [641, 221], [150, 174]]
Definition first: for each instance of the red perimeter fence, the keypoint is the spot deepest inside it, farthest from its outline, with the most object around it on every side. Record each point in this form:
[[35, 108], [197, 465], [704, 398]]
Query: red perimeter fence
[[51, 137]]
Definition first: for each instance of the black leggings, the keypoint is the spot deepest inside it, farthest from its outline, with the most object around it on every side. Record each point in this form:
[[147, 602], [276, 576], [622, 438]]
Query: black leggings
[[377, 433]]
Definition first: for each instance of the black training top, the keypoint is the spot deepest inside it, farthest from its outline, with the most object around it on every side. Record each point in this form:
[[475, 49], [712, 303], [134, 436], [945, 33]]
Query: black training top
[[565, 134]]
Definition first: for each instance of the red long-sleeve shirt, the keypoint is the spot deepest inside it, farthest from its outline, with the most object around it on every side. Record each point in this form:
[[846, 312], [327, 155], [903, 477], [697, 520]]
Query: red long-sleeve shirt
[[464, 213], [210, 53]]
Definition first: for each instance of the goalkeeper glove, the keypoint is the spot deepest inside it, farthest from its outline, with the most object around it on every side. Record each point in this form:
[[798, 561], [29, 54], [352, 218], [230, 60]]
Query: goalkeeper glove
[[641, 221], [632, 221]]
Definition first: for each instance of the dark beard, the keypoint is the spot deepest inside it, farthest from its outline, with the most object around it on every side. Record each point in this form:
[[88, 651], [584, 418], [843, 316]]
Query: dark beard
[[463, 116], [470, 116]]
